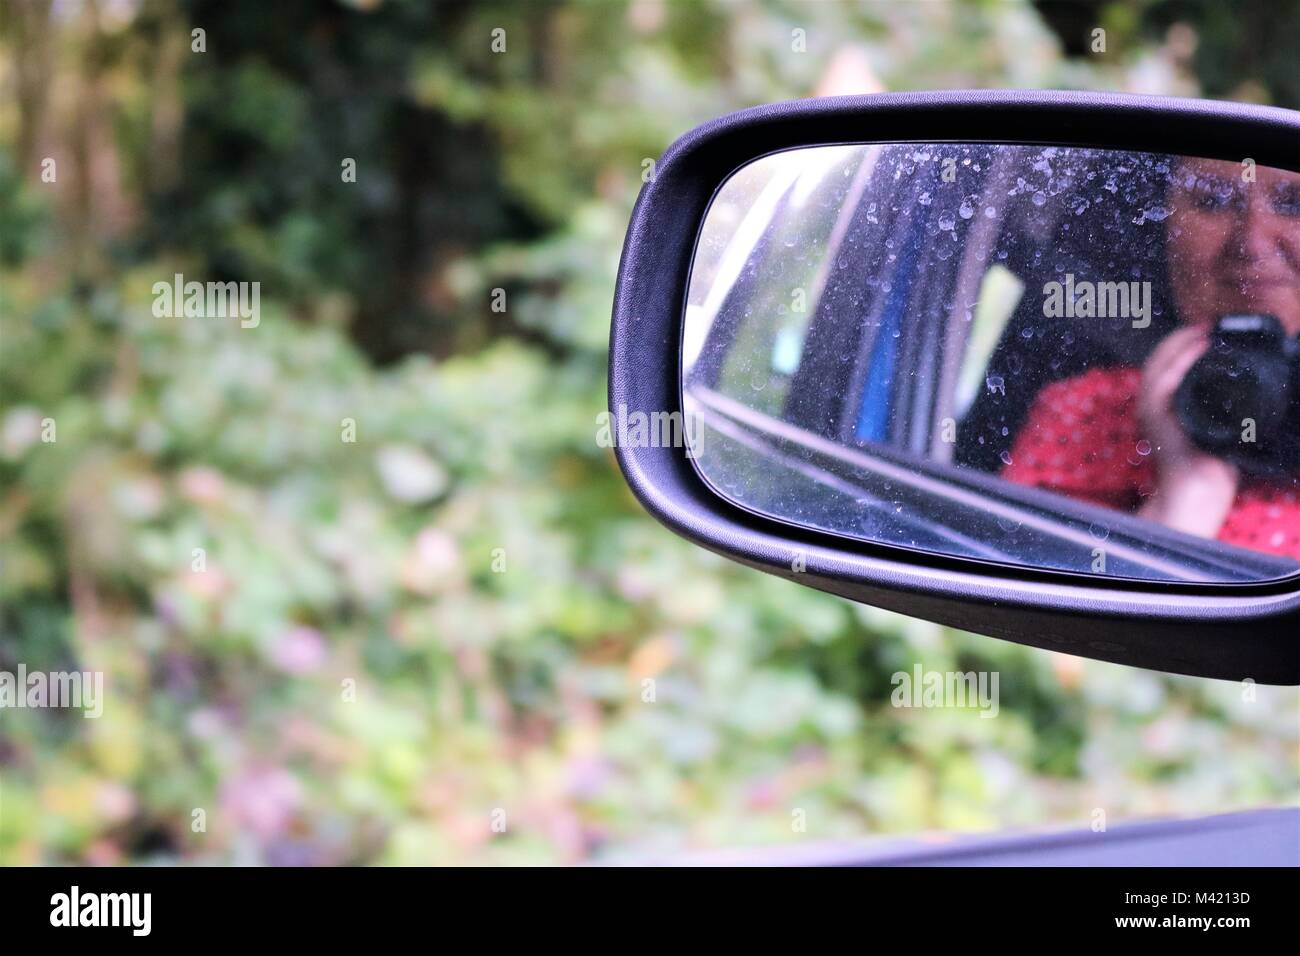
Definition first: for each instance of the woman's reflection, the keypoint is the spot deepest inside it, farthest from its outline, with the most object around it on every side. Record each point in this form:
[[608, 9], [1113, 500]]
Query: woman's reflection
[[1113, 436]]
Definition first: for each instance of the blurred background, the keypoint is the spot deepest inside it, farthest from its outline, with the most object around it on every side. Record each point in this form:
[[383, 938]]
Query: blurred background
[[445, 633]]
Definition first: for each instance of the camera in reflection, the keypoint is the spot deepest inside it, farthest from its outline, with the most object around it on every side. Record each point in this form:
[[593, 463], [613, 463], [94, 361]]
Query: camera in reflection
[[1241, 400]]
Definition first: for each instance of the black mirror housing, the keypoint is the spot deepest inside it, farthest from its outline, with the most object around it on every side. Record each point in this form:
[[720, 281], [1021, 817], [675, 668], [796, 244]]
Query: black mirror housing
[[1227, 631]]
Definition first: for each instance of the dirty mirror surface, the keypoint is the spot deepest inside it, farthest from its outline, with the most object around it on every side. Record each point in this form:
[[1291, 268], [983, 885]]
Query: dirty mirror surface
[[1062, 358]]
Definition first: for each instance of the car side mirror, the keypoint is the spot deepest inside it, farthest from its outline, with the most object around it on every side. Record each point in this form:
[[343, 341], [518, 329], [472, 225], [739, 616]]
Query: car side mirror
[[1026, 364]]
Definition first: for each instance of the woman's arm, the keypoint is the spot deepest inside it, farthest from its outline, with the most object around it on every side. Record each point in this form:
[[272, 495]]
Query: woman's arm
[[1194, 490]]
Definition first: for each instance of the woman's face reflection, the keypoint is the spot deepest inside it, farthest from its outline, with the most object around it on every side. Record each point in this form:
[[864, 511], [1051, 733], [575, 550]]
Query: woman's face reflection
[[1234, 245]]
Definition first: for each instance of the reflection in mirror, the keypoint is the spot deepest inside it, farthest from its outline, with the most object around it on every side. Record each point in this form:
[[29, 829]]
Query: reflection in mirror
[[1064, 358]]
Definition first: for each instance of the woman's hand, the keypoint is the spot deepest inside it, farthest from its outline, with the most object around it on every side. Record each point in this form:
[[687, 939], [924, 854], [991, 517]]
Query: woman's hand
[[1194, 490]]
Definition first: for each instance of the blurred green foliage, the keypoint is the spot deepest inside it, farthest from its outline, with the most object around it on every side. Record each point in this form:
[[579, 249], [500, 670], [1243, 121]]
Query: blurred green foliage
[[383, 646]]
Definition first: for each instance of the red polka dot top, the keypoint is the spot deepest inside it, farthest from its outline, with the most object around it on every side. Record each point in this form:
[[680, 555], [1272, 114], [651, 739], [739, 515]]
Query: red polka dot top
[[1081, 439]]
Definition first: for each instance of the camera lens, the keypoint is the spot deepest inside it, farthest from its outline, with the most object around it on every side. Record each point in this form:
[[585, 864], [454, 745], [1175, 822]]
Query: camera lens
[[1236, 400]]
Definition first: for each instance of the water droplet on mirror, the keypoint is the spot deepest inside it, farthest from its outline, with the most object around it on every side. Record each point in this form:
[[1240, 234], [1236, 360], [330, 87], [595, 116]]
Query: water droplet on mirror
[[1006, 457], [966, 210], [1154, 214], [1144, 448]]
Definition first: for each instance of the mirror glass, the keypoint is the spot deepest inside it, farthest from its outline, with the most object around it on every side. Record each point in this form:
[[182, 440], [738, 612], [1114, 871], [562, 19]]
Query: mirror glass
[[1065, 358]]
